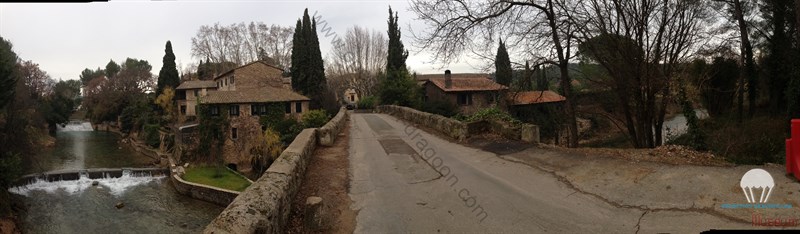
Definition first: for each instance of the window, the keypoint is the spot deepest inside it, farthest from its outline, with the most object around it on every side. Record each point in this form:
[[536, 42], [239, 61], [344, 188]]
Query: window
[[253, 109], [232, 79], [298, 107], [288, 108], [196, 93], [234, 110], [234, 133], [183, 109], [214, 111], [226, 82], [465, 99]]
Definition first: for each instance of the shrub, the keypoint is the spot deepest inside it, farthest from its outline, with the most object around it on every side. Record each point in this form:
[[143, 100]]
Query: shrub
[[151, 135], [492, 113], [756, 141], [315, 118], [440, 107], [11, 166], [367, 102], [287, 127]]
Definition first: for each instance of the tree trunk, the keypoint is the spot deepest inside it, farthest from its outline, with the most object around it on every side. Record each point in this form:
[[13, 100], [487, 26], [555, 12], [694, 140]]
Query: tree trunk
[[566, 85], [747, 60]]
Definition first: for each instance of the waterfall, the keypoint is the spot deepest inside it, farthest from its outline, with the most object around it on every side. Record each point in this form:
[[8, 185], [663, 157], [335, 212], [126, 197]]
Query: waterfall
[[79, 126], [115, 185]]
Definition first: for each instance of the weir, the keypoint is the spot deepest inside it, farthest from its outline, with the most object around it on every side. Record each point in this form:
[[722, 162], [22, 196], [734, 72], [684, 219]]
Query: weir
[[71, 181], [75, 126]]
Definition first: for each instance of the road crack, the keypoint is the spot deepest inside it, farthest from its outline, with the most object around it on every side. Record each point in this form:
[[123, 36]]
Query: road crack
[[638, 223]]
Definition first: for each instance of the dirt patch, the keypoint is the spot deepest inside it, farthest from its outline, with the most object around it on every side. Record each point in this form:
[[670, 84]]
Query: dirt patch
[[668, 154], [7, 226], [327, 177]]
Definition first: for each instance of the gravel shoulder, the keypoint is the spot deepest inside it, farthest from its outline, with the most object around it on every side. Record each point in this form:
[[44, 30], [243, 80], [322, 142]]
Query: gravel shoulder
[[328, 177]]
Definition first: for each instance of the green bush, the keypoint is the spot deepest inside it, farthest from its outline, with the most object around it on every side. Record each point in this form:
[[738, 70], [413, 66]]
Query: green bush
[[151, 135], [315, 118], [367, 102], [287, 127], [11, 167], [440, 107], [492, 113]]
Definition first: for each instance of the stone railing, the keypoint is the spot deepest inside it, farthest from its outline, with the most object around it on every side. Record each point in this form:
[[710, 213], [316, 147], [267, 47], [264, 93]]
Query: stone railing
[[327, 134], [447, 126], [264, 206]]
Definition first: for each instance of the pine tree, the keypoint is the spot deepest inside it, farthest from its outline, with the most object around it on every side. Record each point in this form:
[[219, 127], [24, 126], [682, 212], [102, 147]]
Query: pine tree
[[502, 65], [168, 76], [112, 68], [8, 77]]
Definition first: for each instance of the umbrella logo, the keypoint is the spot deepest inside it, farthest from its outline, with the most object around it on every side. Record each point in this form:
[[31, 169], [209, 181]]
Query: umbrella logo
[[757, 179]]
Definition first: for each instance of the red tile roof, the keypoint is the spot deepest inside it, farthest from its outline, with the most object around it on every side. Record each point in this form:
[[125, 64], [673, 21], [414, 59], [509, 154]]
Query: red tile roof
[[468, 84], [424, 77], [197, 84], [534, 97], [260, 95]]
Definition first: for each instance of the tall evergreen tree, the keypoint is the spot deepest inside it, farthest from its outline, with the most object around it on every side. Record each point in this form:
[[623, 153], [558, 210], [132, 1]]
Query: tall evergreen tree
[[168, 76], [112, 68], [502, 65], [201, 71], [397, 87], [298, 57], [308, 70], [8, 77], [396, 57]]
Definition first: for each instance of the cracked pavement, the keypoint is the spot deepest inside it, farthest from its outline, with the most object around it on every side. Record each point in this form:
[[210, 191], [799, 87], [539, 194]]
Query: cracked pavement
[[422, 183]]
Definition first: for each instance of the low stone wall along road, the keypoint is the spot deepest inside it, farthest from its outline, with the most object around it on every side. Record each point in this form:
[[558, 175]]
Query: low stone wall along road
[[405, 180]]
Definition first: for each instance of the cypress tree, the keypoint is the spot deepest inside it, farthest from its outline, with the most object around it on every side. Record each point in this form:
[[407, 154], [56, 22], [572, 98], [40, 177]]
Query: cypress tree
[[396, 57], [308, 69], [502, 65], [168, 76], [298, 58]]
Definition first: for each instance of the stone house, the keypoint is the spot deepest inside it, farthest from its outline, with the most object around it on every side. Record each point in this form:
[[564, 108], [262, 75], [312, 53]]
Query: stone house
[[243, 94], [467, 94]]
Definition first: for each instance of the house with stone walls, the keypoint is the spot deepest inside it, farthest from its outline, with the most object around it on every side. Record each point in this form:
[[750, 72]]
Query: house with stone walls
[[467, 93], [243, 94]]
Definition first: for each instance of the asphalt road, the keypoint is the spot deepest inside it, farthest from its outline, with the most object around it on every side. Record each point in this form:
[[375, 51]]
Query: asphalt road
[[405, 180]]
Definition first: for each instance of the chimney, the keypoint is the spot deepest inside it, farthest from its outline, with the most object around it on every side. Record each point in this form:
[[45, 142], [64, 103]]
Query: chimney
[[448, 82]]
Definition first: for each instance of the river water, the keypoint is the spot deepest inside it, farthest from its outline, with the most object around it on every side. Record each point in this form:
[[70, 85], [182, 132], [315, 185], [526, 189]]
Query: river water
[[151, 204]]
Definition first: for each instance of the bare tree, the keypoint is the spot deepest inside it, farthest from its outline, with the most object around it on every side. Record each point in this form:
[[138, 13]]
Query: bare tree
[[38, 81], [641, 44], [356, 60], [538, 29], [241, 43]]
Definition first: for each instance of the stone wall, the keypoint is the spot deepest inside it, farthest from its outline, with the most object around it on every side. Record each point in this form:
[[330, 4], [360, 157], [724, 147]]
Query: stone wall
[[265, 205], [450, 127], [327, 134], [203, 192], [459, 130]]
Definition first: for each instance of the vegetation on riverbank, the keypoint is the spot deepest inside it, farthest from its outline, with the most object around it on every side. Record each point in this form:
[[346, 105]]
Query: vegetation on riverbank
[[216, 176]]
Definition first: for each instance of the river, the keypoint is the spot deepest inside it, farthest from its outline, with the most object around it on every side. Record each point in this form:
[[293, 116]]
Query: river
[[151, 204]]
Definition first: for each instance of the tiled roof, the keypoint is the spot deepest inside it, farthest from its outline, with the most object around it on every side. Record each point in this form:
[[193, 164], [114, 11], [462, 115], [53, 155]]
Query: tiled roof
[[534, 97], [260, 95], [251, 63], [197, 84], [424, 77], [468, 84]]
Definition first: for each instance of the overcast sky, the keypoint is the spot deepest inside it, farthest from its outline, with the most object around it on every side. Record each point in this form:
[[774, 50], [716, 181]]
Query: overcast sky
[[65, 38]]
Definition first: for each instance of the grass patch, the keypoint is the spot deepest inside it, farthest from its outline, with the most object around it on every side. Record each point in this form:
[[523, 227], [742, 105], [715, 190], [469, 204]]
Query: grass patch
[[219, 177]]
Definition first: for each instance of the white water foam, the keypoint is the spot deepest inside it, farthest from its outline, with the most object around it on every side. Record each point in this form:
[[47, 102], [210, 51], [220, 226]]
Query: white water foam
[[76, 126], [116, 186]]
